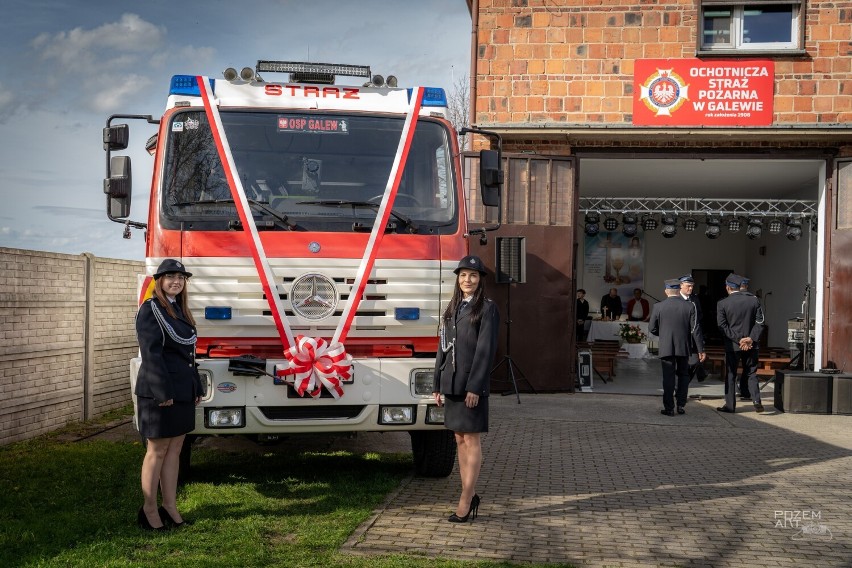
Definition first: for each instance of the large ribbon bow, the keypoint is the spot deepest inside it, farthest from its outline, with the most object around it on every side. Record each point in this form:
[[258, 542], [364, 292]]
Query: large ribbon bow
[[314, 363]]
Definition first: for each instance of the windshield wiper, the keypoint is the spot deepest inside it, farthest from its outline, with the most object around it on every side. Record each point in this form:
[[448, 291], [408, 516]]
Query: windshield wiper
[[412, 228], [261, 205]]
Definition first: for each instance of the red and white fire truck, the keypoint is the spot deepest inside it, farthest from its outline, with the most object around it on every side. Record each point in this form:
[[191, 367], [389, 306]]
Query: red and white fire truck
[[321, 223]]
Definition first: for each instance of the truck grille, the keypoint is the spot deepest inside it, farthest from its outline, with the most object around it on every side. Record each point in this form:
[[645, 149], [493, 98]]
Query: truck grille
[[394, 284]]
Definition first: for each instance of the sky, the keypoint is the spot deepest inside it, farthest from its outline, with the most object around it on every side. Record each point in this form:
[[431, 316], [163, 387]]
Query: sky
[[67, 65]]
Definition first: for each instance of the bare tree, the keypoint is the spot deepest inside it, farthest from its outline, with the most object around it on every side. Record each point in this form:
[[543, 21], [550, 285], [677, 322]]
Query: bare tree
[[459, 107]]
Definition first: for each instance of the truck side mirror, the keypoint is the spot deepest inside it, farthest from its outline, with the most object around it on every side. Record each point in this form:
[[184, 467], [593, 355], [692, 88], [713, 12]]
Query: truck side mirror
[[117, 187], [490, 177], [116, 137]]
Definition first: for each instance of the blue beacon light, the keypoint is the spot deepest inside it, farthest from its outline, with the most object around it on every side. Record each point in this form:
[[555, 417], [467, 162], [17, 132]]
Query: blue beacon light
[[187, 85]]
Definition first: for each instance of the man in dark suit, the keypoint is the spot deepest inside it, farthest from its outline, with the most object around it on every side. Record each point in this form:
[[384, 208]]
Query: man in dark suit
[[696, 367], [745, 392], [741, 321], [581, 313], [611, 305], [675, 322]]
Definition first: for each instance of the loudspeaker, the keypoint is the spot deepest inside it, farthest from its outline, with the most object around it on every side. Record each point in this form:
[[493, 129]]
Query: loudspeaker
[[803, 392], [841, 394], [511, 260], [584, 370]]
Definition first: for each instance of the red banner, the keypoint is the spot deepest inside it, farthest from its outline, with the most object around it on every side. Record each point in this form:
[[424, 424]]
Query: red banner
[[691, 92]]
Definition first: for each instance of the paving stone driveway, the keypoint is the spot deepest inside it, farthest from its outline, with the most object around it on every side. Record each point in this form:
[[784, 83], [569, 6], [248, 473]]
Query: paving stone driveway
[[605, 480]]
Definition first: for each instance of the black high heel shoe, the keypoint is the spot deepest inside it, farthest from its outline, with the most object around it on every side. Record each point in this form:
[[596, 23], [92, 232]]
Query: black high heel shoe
[[471, 512], [169, 521], [145, 524]]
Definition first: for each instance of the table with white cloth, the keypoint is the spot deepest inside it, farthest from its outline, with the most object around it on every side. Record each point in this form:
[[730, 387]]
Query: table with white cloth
[[636, 350], [610, 331]]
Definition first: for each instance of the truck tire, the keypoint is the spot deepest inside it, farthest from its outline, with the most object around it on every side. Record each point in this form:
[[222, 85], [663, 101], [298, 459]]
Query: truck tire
[[434, 452]]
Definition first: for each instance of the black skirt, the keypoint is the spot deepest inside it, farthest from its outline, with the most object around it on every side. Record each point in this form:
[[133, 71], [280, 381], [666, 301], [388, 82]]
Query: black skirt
[[460, 418], [157, 421]]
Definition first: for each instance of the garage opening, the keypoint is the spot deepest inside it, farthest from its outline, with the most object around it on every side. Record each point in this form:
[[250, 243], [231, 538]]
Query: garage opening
[[646, 218]]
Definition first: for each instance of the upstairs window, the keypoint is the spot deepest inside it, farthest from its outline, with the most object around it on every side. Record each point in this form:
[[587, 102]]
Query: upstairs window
[[755, 26]]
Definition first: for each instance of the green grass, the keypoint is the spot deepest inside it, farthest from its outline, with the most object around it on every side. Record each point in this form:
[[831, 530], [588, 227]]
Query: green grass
[[65, 503]]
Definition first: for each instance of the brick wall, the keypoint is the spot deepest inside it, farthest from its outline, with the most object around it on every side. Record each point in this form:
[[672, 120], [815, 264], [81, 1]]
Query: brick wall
[[564, 61], [66, 339]]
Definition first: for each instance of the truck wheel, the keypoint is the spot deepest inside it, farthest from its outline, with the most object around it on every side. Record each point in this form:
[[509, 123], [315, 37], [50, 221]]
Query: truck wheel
[[434, 452], [185, 457]]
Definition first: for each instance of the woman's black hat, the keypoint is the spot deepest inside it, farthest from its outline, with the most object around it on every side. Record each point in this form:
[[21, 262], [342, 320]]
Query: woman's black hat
[[171, 265], [471, 262]]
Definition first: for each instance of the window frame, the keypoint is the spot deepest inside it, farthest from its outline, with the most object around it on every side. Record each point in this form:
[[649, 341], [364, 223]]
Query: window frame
[[797, 31]]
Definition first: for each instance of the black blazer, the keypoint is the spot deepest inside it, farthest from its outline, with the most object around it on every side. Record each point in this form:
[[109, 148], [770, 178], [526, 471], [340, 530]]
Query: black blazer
[[582, 310], [675, 321], [739, 315], [167, 346], [474, 347], [699, 314], [613, 306]]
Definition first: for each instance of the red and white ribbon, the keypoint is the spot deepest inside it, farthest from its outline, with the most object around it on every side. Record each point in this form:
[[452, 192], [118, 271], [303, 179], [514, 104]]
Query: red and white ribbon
[[382, 216], [267, 279], [312, 363]]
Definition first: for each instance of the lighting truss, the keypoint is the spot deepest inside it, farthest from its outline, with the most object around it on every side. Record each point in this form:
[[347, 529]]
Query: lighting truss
[[643, 206]]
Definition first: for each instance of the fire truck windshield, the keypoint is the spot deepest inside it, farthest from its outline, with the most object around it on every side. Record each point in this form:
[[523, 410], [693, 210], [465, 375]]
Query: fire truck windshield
[[293, 166]]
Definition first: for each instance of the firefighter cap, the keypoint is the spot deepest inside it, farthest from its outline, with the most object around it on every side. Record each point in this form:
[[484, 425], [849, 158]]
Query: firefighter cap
[[471, 262], [171, 265]]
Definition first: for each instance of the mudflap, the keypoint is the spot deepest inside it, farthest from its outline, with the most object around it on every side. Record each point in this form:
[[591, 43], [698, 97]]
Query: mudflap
[[434, 452]]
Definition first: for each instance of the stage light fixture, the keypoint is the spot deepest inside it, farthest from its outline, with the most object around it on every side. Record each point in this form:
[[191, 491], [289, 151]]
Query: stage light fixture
[[628, 224], [690, 224], [669, 228], [755, 228], [649, 223], [713, 229], [592, 227], [734, 224], [775, 226], [610, 223], [794, 229]]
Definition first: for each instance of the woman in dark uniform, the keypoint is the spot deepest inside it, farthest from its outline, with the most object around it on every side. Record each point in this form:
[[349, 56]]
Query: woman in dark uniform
[[462, 370], [167, 389]]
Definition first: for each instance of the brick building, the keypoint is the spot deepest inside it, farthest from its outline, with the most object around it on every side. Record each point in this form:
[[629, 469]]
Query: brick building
[[703, 136]]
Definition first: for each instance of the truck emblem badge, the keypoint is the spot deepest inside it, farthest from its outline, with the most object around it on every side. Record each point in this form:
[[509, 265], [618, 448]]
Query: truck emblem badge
[[314, 296], [314, 247]]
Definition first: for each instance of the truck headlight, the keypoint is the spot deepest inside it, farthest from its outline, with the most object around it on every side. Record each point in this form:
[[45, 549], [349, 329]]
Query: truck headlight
[[225, 418], [422, 382], [434, 414], [397, 415]]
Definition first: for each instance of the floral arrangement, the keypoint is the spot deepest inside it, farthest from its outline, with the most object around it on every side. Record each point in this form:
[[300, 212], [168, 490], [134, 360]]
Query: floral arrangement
[[631, 333]]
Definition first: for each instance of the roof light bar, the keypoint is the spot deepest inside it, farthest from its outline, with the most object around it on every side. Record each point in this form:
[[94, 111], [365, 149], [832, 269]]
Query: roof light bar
[[319, 68]]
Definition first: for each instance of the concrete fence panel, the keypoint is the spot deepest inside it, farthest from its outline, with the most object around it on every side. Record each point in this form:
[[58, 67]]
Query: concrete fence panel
[[67, 330]]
